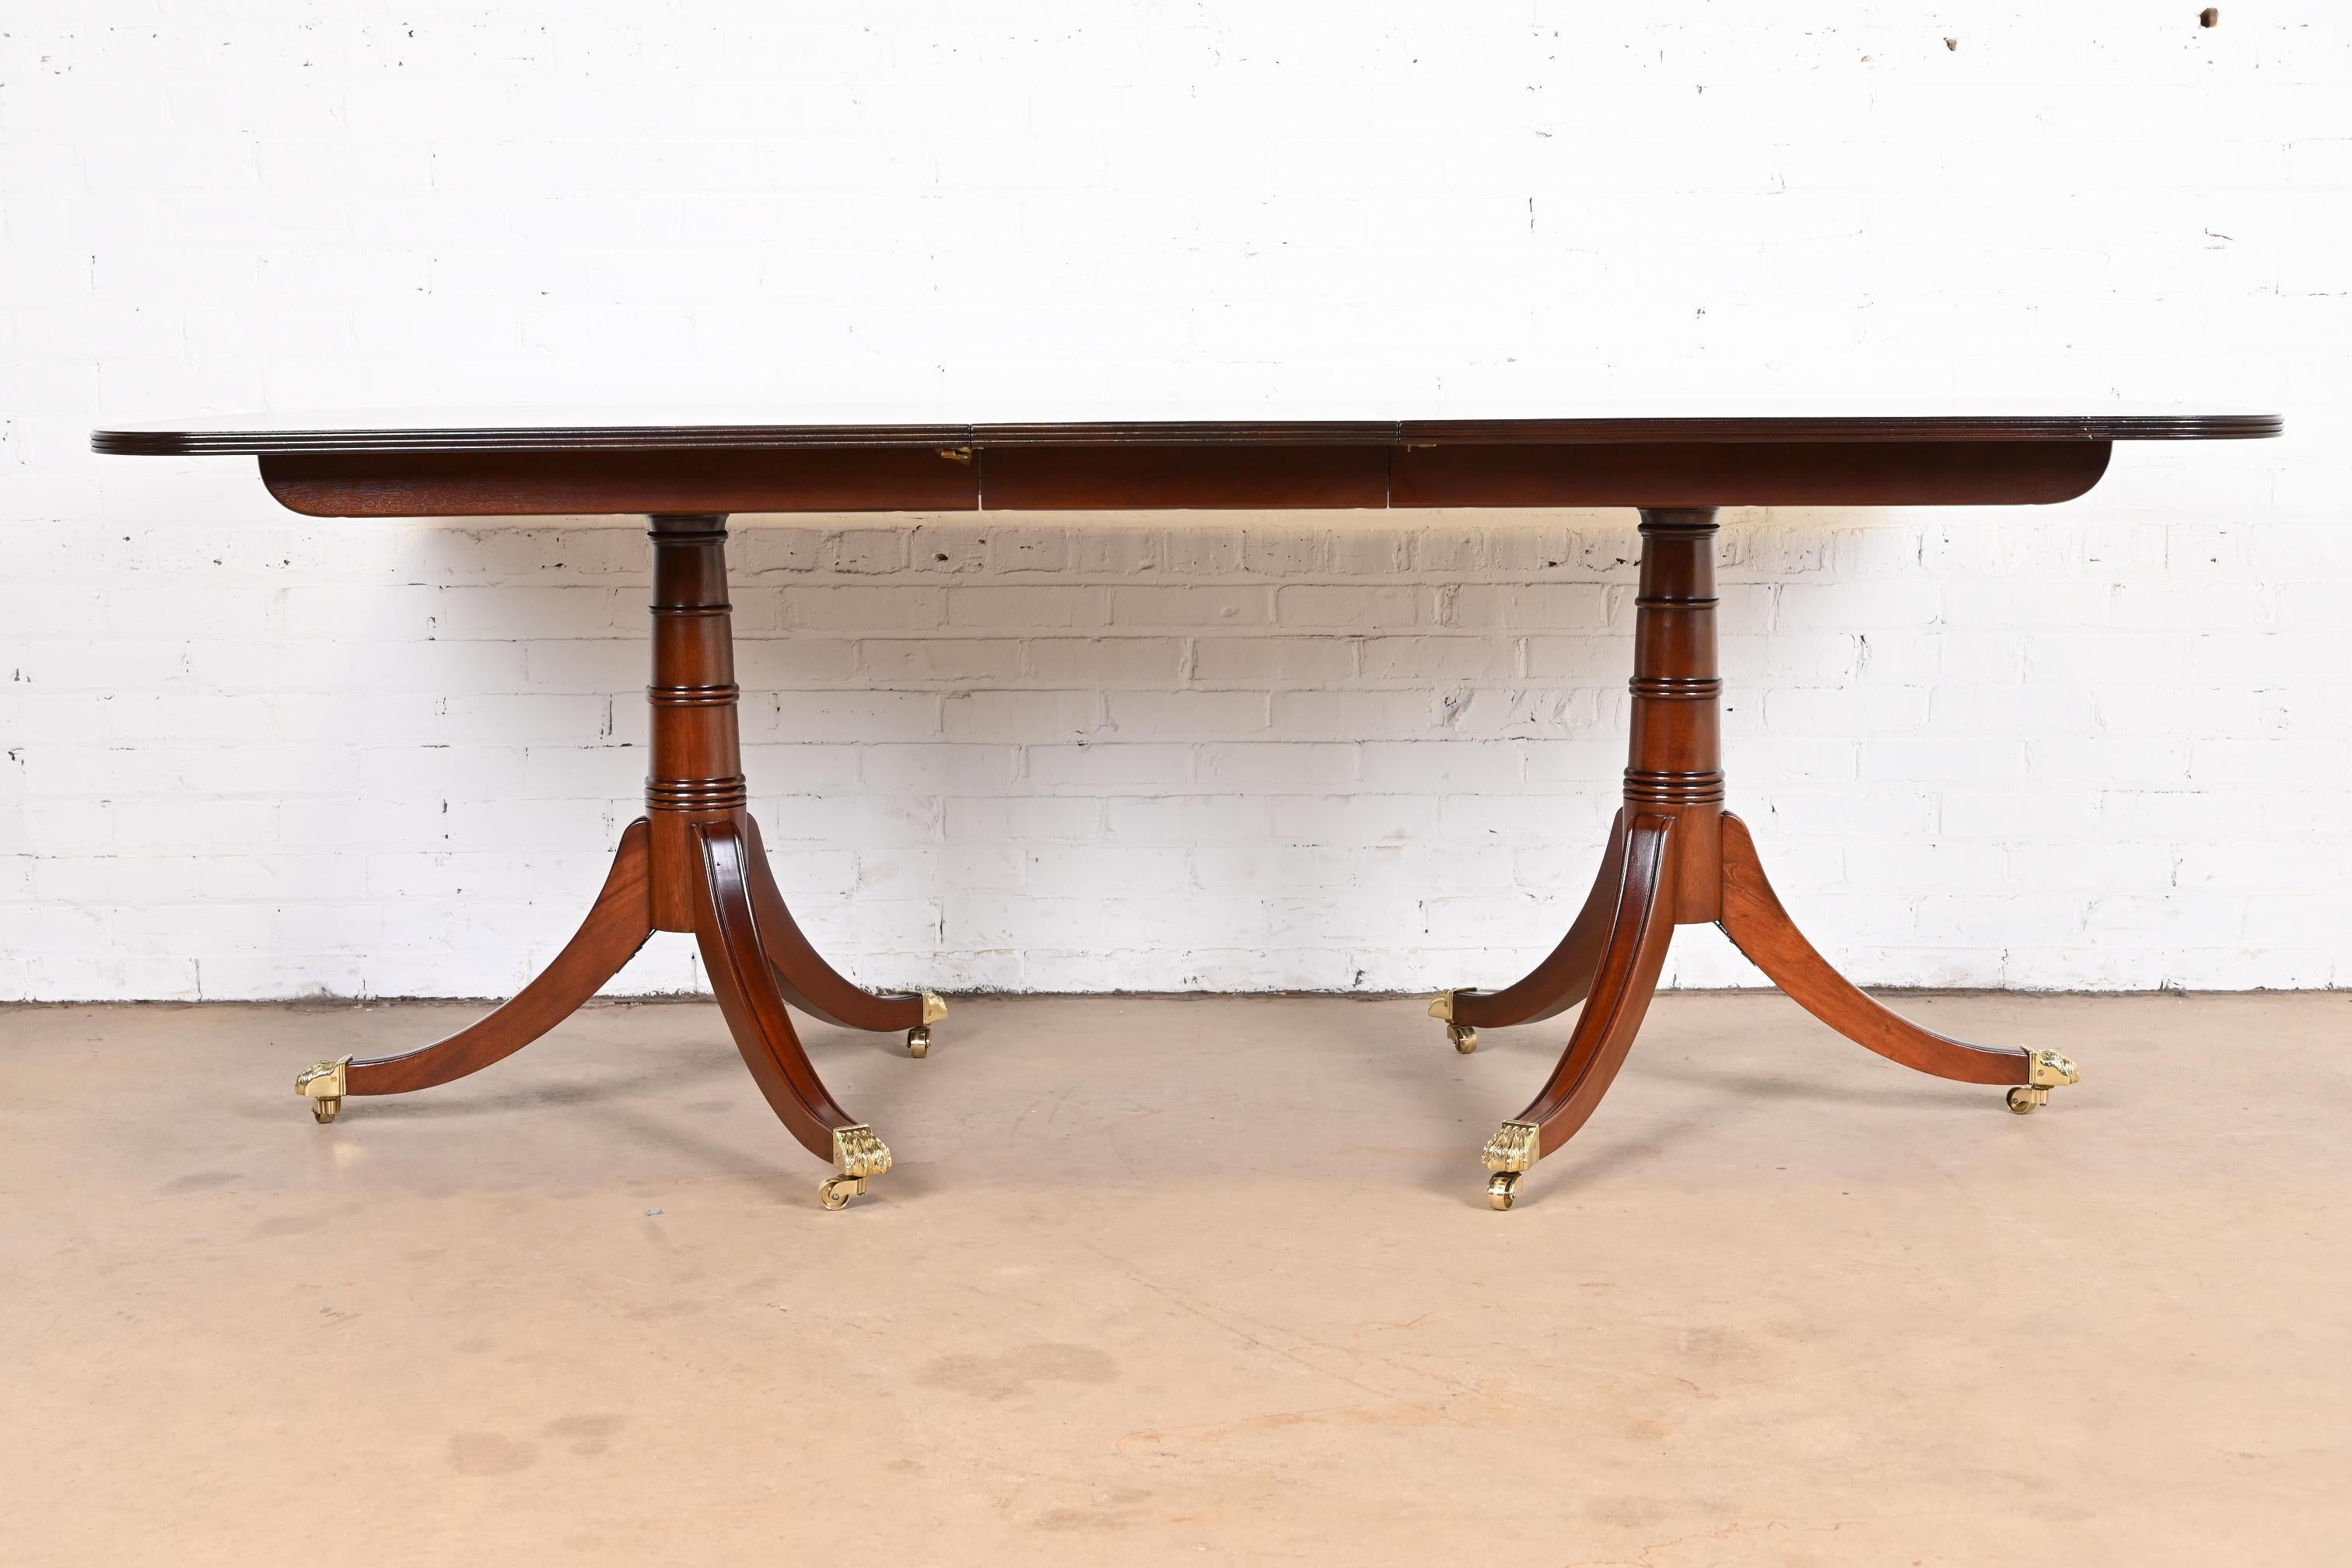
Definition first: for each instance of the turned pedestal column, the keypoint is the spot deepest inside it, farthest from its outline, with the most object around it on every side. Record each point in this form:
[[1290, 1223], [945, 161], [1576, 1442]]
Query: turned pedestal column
[[1676, 857], [693, 863]]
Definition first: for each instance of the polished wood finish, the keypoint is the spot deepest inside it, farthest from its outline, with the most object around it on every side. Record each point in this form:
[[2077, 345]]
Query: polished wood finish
[[1675, 746], [1047, 479], [519, 484], [1641, 927], [250, 437], [617, 925], [728, 929], [522, 470], [806, 980], [1828, 473], [1563, 979], [1755, 921], [693, 863], [1676, 857], [1172, 478], [697, 750]]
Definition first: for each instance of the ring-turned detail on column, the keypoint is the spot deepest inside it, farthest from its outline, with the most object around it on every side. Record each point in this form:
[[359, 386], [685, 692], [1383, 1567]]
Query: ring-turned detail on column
[[1676, 857], [693, 863]]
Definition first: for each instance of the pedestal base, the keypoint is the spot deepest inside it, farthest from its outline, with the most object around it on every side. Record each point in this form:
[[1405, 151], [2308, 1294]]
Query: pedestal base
[[1676, 857], [757, 960], [1610, 961], [693, 864]]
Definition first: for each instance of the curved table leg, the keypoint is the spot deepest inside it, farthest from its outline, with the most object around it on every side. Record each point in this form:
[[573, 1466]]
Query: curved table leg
[[1758, 925], [1556, 984], [616, 928], [1642, 925], [815, 986], [727, 926]]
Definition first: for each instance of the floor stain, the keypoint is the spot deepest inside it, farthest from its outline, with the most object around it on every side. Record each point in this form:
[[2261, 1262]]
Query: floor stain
[[1282, 1420], [1018, 1370], [490, 1454], [288, 1224], [585, 1434], [1121, 1510], [1725, 1350]]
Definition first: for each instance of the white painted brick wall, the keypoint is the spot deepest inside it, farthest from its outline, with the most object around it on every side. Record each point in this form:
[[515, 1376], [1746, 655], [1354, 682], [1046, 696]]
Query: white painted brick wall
[[248, 755]]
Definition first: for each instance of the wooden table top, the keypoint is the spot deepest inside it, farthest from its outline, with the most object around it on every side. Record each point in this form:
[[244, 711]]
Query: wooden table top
[[260, 435], [521, 468]]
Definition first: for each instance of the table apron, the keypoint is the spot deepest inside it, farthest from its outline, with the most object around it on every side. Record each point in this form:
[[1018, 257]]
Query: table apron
[[1160, 476]]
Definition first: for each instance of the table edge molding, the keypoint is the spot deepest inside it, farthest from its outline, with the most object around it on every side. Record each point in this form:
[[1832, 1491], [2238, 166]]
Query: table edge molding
[[1201, 435]]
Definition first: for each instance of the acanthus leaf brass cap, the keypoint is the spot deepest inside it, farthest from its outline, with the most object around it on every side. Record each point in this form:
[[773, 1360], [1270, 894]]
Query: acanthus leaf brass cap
[[857, 1152], [322, 1080], [2048, 1070], [1512, 1148]]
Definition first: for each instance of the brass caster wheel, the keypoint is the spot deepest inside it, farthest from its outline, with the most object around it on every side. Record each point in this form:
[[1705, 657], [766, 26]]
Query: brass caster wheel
[[1510, 1154], [323, 1083], [835, 1192], [2044, 1070], [1465, 1038], [919, 1039]]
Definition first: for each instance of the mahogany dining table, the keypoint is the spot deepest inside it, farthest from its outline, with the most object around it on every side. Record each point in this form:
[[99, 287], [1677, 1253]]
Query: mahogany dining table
[[694, 862]]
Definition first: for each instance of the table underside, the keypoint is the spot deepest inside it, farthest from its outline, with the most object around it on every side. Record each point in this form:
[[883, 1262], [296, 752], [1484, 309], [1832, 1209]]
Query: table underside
[[1048, 477]]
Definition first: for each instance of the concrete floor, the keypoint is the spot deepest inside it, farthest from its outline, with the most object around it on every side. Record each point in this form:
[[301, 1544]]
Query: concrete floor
[[1180, 1280]]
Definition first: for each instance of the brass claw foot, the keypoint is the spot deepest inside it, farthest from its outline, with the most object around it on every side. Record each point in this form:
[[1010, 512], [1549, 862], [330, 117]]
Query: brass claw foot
[[323, 1082], [919, 1039], [856, 1154], [1465, 1038], [2047, 1071], [1510, 1154]]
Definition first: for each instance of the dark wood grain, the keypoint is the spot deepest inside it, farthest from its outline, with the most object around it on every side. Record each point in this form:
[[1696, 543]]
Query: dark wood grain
[[1174, 477], [1751, 472], [617, 925], [696, 752], [743, 983], [518, 470], [1675, 740], [595, 481], [1101, 478], [1565, 976], [1755, 921], [249, 437], [1640, 928], [806, 980], [693, 863], [1676, 857]]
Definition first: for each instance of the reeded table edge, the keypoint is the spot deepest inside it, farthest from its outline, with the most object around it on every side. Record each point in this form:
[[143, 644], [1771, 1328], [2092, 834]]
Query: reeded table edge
[[1762, 430]]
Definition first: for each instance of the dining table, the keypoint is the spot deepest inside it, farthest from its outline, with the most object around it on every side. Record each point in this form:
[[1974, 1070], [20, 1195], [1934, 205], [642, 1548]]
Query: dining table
[[693, 863]]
